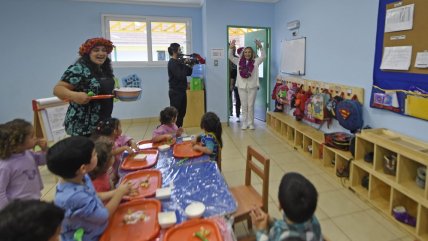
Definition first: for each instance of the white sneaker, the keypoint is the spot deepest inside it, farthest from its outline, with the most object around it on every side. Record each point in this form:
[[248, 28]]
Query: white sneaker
[[251, 127], [243, 127]]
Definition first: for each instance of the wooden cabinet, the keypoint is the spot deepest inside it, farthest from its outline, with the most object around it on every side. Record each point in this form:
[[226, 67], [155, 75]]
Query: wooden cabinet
[[384, 188], [308, 140], [387, 189], [195, 108]]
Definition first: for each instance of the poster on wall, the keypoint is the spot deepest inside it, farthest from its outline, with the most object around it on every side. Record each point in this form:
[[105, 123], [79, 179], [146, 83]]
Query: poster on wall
[[400, 73]]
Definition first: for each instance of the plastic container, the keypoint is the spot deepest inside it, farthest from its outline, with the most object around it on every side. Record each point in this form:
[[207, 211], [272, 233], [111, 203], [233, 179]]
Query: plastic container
[[195, 210], [163, 193], [167, 219], [198, 71], [196, 83], [163, 147]]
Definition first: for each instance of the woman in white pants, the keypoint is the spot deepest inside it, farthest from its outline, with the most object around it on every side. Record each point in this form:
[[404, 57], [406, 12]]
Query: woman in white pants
[[247, 80]]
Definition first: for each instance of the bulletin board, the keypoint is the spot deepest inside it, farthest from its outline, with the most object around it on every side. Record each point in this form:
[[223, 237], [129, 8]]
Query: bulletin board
[[48, 121], [400, 74], [293, 56]]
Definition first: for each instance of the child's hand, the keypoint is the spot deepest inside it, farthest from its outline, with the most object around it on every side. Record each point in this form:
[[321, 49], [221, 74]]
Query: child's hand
[[124, 188], [232, 44], [259, 219], [133, 145], [179, 131], [129, 149], [197, 147], [259, 44], [43, 144]]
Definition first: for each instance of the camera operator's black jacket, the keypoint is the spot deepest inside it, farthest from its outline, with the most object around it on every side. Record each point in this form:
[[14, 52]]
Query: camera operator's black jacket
[[178, 72]]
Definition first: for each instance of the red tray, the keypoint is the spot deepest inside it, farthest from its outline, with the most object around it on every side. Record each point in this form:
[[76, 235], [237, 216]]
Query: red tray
[[143, 230], [154, 179], [131, 164], [185, 149], [186, 230], [148, 144]]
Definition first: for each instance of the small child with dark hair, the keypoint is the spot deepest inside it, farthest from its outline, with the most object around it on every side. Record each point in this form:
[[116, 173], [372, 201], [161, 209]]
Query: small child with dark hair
[[210, 142], [19, 173], [72, 159], [167, 130], [100, 176], [30, 220], [112, 128], [298, 199]]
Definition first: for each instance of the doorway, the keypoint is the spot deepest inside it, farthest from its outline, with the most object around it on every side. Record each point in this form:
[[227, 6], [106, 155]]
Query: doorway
[[246, 36]]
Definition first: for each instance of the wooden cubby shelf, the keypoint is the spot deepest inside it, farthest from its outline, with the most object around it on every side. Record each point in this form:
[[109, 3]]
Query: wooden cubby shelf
[[385, 190], [307, 140]]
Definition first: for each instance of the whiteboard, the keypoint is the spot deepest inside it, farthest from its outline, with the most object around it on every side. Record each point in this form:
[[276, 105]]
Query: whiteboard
[[51, 114], [293, 56]]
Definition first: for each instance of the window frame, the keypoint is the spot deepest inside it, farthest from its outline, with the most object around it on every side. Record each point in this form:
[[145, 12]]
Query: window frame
[[105, 18]]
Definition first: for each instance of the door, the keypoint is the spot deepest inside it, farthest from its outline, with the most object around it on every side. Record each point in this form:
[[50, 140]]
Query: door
[[262, 101]]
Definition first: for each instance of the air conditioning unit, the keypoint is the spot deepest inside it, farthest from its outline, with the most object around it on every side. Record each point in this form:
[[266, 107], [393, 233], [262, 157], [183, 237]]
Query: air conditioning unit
[[293, 25]]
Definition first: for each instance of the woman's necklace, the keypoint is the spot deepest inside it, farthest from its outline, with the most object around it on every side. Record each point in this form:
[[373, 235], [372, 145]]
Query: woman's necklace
[[246, 67]]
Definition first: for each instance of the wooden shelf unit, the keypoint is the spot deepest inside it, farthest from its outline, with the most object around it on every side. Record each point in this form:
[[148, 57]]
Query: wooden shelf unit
[[300, 136], [386, 191]]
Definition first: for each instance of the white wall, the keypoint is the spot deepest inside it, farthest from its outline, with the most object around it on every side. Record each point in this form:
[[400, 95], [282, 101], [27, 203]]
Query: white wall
[[40, 39], [340, 48]]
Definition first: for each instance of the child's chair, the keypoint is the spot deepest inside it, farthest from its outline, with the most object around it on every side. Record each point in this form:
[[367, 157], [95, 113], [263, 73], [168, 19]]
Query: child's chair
[[246, 195]]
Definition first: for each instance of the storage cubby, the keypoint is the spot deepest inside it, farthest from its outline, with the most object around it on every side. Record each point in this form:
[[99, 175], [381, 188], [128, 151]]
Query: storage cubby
[[379, 154], [407, 172], [357, 175], [399, 199], [329, 159], [298, 140], [317, 150], [341, 163], [422, 228], [307, 145], [380, 194], [290, 134], [362, 150], [284, 130]]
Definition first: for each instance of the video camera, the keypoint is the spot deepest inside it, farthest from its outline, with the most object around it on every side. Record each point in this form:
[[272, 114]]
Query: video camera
[[191, 59]]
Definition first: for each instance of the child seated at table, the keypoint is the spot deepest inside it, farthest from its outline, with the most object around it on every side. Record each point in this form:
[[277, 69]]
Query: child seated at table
[[100, 176], [19, 172], [210, 142], [30, 220], [167, 130], [112, 128], [71, 159], [298, 199]]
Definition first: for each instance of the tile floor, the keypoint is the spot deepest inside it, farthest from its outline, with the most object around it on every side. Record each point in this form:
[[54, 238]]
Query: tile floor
[[343, 216]]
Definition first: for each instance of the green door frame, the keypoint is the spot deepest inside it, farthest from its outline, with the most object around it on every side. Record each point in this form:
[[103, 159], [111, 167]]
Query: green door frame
[[267, 61]]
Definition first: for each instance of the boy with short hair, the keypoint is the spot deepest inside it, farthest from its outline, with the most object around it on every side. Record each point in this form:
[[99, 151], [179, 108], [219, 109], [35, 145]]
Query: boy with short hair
[[71, 159], [30, 220], [298, 199]]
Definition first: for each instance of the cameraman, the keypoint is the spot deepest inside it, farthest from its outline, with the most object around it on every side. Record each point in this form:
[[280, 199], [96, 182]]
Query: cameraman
[[178, 70]]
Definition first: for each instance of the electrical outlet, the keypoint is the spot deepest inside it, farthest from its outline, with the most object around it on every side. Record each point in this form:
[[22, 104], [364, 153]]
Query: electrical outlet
[[216, 62]]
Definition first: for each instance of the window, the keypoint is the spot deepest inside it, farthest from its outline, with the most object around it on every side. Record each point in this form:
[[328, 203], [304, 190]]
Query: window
[[144, 41]]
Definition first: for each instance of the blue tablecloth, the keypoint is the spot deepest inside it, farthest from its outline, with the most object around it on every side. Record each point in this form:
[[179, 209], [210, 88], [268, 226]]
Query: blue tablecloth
[[194, 179]]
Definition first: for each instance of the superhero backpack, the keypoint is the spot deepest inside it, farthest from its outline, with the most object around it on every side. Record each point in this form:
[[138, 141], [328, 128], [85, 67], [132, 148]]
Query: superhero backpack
[[349, 113]]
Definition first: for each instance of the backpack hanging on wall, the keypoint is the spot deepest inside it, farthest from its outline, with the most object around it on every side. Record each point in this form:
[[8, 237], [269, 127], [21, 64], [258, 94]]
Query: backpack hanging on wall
[[349, 113]]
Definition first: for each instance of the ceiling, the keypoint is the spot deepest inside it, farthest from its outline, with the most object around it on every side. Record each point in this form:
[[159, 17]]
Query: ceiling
[[181, 3]]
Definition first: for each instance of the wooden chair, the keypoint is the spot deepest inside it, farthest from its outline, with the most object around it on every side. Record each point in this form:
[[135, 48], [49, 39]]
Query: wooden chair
[[246, 195]]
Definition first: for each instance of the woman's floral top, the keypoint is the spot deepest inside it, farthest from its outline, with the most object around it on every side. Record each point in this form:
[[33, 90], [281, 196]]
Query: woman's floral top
[[81, 120]]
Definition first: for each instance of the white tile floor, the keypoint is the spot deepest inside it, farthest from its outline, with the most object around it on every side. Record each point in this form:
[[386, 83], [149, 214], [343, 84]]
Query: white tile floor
[[343, 216]]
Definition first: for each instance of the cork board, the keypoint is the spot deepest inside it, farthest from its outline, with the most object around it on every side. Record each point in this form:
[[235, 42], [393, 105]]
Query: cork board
[[417, 37]]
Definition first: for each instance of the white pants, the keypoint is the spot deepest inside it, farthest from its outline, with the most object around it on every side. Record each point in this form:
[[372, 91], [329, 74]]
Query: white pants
[[248, 98]]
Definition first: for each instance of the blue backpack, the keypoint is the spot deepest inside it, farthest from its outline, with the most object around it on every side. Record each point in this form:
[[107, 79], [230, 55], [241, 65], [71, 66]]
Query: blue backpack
[[349, 113]]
